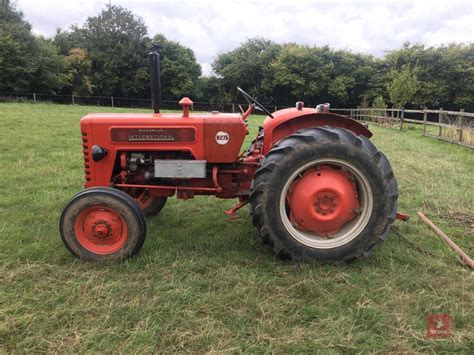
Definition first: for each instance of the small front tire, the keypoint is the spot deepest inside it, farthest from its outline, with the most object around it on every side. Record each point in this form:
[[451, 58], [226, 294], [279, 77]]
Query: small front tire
[[102, 224]]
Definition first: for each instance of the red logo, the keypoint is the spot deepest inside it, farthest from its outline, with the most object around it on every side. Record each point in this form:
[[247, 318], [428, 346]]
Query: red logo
[[438, 325]]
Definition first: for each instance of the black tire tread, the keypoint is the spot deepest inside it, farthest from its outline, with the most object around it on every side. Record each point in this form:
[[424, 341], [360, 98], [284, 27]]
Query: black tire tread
[[106, 191], [304, 137]]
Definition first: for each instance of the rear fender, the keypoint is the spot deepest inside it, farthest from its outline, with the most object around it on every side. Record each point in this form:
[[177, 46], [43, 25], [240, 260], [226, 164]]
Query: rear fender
[[289, 121]]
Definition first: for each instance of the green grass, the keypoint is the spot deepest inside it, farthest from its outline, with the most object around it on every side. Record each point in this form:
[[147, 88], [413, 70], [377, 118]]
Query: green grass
[[204, 284]]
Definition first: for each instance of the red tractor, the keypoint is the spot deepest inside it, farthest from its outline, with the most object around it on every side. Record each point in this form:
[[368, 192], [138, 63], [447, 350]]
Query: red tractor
[[318, 189]]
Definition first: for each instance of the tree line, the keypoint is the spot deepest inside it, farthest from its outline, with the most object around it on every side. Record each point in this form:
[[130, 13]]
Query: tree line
[[108, 56]]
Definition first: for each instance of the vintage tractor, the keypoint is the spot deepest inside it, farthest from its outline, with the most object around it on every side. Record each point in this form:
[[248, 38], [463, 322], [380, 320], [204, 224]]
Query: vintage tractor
[[318, 189]]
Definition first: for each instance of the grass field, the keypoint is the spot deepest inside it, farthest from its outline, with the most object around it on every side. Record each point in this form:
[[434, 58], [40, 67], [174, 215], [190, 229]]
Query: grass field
[[204, 284]]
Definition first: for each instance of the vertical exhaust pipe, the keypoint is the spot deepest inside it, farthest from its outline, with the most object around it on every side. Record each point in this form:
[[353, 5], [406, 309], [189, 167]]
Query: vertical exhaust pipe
[[154, 58]]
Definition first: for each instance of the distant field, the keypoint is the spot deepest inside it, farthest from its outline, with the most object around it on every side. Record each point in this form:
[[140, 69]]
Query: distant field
[[204, 284]]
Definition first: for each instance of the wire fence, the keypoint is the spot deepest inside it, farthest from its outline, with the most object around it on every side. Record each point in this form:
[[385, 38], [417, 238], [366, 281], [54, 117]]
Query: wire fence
[[112, 101], [451, 126]]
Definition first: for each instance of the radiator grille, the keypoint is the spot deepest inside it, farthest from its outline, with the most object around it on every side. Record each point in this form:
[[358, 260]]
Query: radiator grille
[[86, 155]]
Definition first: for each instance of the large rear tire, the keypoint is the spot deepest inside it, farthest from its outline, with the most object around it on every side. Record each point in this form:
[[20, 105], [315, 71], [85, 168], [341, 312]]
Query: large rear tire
[[102, 224], [324, 194]]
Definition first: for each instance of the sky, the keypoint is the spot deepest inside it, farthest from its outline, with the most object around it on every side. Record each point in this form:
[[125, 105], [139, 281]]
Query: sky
[[210, 27]]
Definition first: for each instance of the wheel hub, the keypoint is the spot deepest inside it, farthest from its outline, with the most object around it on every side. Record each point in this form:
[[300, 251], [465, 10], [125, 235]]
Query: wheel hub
[[322, 200], [101, 230]]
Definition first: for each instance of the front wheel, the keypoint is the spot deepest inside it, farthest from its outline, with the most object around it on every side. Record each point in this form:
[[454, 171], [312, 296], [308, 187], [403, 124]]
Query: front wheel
[[324, 194], [102, 224]]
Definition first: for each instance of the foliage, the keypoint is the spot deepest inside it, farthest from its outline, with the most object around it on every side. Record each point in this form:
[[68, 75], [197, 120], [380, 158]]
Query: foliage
[[50, 71], [379, 103], [80, 66], [283, 74], [179, 70], [28, 63], [445, 73], [117, 44], [247, 66], [379, 106], [115, 41], [404, 85], [294, 77]]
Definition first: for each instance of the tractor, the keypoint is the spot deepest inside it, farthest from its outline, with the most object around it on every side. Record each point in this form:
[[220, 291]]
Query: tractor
[[316, 186]]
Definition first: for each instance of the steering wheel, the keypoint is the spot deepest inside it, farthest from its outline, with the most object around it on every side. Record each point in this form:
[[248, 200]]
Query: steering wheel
[[252, 101]]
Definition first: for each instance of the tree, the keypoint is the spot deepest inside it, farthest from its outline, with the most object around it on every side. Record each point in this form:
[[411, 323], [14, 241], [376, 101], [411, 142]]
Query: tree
[[116, 42], [301, 73], [179, 70], [50, 71], [15, 41], [404, 85], [247, 66], [80, 70], [379, 106], [446, 73], [28, 63]]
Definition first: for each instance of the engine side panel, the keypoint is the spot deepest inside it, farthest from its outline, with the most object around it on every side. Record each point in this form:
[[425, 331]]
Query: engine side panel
[[223, 138], [196, 135]]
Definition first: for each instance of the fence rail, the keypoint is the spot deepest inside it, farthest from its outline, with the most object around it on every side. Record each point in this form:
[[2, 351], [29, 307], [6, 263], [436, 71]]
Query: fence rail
[[124, 102], [451, 126]]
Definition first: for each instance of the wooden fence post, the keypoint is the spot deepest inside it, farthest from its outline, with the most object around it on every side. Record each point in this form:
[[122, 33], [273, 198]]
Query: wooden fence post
[[34, 97], [425, 118], [402, 116], [233, 108], [440, 121], [112, 100], [72, 96], [459, 129], [276, 108], [352, 113]]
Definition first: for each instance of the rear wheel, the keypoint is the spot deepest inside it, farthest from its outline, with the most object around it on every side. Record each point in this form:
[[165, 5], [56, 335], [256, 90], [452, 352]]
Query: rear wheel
[[102, 224], [150, 205], [324, 194]]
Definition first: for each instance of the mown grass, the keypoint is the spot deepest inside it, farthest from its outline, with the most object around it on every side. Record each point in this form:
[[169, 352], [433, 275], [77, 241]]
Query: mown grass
[[204, 284]]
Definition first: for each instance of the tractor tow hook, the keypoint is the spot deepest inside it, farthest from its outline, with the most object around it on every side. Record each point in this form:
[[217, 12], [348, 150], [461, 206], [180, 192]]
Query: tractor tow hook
[[231, 212]]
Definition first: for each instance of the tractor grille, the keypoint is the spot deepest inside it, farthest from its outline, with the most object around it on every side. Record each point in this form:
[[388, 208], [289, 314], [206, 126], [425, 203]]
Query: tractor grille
[[86, 155]]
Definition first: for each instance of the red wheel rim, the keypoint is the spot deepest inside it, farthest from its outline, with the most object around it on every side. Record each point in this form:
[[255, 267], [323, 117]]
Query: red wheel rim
[[101, 230], [322, 200], [326, 203]]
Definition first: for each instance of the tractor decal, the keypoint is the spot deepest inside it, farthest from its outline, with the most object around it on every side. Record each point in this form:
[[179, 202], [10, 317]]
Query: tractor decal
[[124, 135], [222, 137]]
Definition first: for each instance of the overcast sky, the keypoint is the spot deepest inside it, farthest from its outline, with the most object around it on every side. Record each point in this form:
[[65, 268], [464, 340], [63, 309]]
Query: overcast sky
[[209, 27]]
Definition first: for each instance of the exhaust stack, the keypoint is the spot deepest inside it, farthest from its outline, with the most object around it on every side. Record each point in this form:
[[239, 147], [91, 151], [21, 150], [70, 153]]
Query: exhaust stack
[[154, 58]]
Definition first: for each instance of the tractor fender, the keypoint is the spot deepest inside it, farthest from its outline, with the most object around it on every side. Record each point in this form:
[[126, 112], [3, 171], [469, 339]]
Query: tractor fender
[[288, 121]]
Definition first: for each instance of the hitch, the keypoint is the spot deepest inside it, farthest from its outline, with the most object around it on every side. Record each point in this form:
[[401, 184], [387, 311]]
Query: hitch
[[231, 212]]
